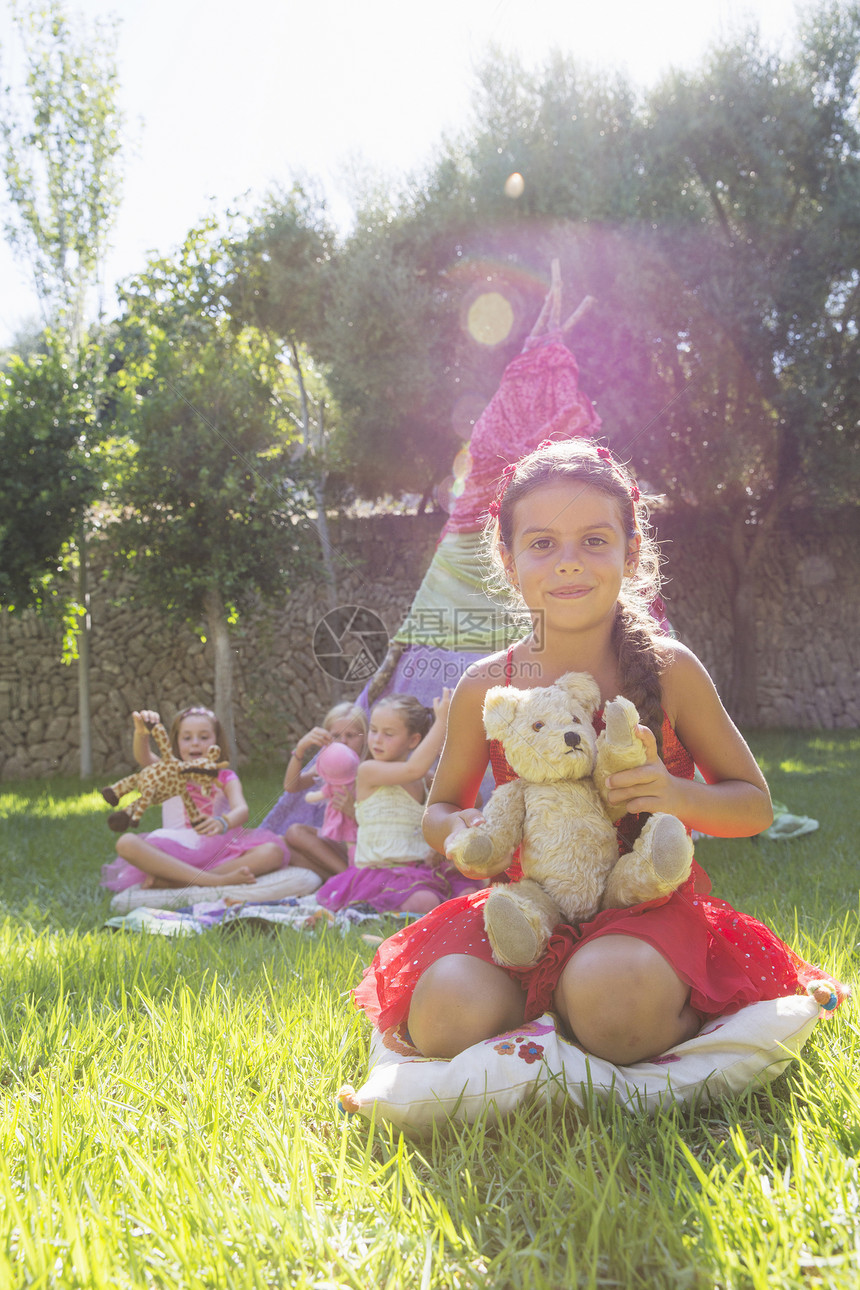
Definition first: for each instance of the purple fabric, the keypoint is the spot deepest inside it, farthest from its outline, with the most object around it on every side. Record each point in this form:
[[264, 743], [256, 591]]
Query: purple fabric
[[387, 888]]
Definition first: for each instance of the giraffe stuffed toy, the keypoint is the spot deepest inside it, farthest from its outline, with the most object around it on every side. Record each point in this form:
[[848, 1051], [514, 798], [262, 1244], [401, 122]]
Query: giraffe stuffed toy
[[165, 778]]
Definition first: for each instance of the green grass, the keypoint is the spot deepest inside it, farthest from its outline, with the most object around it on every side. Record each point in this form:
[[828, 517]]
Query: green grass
[[168, 1106]]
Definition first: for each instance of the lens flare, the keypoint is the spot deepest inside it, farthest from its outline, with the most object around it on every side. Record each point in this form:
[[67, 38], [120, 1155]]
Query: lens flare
[[465, 413], [515, 185], [462, 466], [490, 318]]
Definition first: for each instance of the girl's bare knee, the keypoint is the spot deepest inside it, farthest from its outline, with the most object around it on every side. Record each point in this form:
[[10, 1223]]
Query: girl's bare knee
[[460, 1001], [420, 902], [126, 845], [274, 853], [623, 1000]]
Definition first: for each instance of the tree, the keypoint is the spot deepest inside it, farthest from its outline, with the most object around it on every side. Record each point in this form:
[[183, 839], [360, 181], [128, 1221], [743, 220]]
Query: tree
[[279, 282], [211, 508], [763, 156], [49, 480], [61, 165], [717, 221]]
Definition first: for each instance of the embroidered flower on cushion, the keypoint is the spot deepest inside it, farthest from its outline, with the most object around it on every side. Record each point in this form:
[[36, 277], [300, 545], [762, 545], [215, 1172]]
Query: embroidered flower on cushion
[[506, 1047], [531, 1052], [396, 1042]]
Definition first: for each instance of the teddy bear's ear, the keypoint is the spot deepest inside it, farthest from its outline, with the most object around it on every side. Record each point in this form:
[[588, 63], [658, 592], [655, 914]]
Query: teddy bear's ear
[[500, 706], [582, 688]]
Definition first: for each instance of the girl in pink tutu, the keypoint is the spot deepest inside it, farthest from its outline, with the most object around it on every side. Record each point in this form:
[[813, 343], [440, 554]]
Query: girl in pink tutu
[[218, 851], [394, 869]]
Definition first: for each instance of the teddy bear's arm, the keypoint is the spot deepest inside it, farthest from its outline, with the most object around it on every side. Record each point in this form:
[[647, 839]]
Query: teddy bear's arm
[[618, 748], [486, 849]]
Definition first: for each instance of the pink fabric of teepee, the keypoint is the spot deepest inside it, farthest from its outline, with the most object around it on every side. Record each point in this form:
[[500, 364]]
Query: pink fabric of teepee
[[538, 398]]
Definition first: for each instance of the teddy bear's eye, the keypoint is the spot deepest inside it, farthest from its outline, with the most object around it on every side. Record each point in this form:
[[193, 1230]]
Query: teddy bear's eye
[[538, 725], [576, 721]]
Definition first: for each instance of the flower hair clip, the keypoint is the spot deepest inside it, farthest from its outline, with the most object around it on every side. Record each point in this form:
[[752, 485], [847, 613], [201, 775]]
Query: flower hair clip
[[504, 480], [507, 475]]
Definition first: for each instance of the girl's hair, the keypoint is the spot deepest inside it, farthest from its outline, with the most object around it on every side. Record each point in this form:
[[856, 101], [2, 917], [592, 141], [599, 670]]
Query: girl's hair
[[416, 717], [197, 712], [635, 634], [342, 711]]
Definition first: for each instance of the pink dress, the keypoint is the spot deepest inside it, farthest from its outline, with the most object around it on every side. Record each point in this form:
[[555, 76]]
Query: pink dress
[[184, 843]]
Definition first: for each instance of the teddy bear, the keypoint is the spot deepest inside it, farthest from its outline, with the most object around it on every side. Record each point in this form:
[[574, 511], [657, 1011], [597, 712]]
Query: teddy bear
[[557, 812], [163, 779]]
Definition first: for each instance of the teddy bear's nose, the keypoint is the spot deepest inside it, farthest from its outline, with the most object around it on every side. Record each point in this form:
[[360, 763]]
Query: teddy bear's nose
[[572, 739]]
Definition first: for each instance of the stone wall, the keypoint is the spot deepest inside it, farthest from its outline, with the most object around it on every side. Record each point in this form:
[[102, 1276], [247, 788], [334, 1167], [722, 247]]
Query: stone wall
[[807, 629]]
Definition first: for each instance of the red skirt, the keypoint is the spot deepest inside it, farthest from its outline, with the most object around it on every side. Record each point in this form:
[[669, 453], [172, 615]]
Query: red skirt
[[728, 959]]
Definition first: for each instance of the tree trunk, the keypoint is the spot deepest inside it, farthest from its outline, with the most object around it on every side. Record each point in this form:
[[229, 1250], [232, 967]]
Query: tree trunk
[[326, 545], [84, 712], [321, 524], [219, 634], [746, 555], [742, 697]]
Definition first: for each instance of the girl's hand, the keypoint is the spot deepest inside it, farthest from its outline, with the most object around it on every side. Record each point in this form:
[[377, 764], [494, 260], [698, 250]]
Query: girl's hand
[[210, 827], [442, 704], [144, 719], [316, 738], [342, 799], [649, 787]]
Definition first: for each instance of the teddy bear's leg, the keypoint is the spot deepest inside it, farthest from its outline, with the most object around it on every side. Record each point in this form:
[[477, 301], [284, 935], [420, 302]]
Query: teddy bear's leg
[[120, 821], [110, 795], [660, 861], [519, 918]]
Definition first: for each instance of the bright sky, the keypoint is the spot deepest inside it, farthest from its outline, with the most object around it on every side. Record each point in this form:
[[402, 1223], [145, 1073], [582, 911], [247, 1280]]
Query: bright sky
[[226, 99]]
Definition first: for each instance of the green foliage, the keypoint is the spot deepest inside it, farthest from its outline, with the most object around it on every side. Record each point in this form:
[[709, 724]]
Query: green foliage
[[388, 343], [214, 499], [49, 477], [61, 155], [279, 277]]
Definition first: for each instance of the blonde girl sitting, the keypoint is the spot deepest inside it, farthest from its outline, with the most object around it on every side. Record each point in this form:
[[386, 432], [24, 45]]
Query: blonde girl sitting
[[311, 848]]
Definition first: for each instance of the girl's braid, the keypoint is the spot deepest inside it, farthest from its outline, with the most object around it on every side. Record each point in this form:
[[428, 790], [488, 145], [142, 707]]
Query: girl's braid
[[635, 639]]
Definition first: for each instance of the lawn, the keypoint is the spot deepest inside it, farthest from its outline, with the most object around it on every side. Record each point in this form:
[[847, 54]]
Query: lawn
[[169, 1119]]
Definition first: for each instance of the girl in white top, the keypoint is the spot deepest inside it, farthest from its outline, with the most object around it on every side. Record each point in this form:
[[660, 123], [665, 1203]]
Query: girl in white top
[[394, 868]]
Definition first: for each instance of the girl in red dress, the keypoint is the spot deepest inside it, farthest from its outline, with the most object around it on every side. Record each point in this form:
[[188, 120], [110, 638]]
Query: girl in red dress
[[571, 536]]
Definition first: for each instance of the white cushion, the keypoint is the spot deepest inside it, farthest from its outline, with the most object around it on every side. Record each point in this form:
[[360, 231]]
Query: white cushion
[[277, 885], [728, 1055]]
